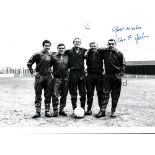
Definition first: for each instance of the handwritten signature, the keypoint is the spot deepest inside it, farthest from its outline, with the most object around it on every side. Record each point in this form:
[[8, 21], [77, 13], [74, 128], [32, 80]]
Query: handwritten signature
[[137, 38], [140, 37], [132, 33]]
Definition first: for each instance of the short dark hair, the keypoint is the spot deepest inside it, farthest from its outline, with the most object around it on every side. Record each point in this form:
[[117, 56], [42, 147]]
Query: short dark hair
[[112, 40], [75, 39], [61, 44], [92, 43], [45, 41]]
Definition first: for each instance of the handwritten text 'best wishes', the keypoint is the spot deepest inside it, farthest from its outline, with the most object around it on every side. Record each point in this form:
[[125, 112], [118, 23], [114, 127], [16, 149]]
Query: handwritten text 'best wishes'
[[128, 33]]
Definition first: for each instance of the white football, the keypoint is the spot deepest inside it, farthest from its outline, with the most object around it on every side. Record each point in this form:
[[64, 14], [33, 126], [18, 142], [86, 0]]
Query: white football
[[79, 112]]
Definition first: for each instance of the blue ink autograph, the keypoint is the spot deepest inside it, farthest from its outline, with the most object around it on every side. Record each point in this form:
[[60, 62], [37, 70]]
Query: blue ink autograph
[[140, 37], [133, 28], [137, 38], [119, 39], [119, 29]]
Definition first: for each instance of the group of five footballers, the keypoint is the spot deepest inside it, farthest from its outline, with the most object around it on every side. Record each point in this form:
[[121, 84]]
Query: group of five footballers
[[58, 72]]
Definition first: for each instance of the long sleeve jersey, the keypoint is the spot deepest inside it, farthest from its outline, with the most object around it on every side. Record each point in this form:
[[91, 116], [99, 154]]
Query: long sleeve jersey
[[94, 62], [60, 65], [76, 59], [114, 60], [43, 62]]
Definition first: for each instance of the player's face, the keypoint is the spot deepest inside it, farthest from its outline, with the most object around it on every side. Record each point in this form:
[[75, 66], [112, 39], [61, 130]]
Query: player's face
[[77, 42], [61, 49], [111, 44], [47, 46], [93, 47]]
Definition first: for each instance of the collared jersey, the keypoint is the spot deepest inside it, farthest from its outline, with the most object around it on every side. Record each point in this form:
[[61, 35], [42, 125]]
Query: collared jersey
[[76, 59], [94, 62], [114, 60], [43, 62], [60, 65]]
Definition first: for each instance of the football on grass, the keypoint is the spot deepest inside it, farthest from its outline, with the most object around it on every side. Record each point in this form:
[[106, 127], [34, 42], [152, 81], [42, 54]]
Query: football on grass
[[79, 112]]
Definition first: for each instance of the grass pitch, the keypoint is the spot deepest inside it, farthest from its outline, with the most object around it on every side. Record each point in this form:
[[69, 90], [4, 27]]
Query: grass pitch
[[136, 107]]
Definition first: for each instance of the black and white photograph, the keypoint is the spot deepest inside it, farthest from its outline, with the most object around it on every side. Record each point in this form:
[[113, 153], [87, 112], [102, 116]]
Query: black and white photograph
[[83, 67]]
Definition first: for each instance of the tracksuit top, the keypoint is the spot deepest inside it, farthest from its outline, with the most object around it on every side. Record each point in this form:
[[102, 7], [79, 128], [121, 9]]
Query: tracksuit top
[[113, 60], [60, 65], [94, 62], [43, 62], [76, 60]]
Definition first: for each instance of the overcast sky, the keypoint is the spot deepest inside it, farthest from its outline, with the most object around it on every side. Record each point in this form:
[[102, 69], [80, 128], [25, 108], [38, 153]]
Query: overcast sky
[[26, 23]]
